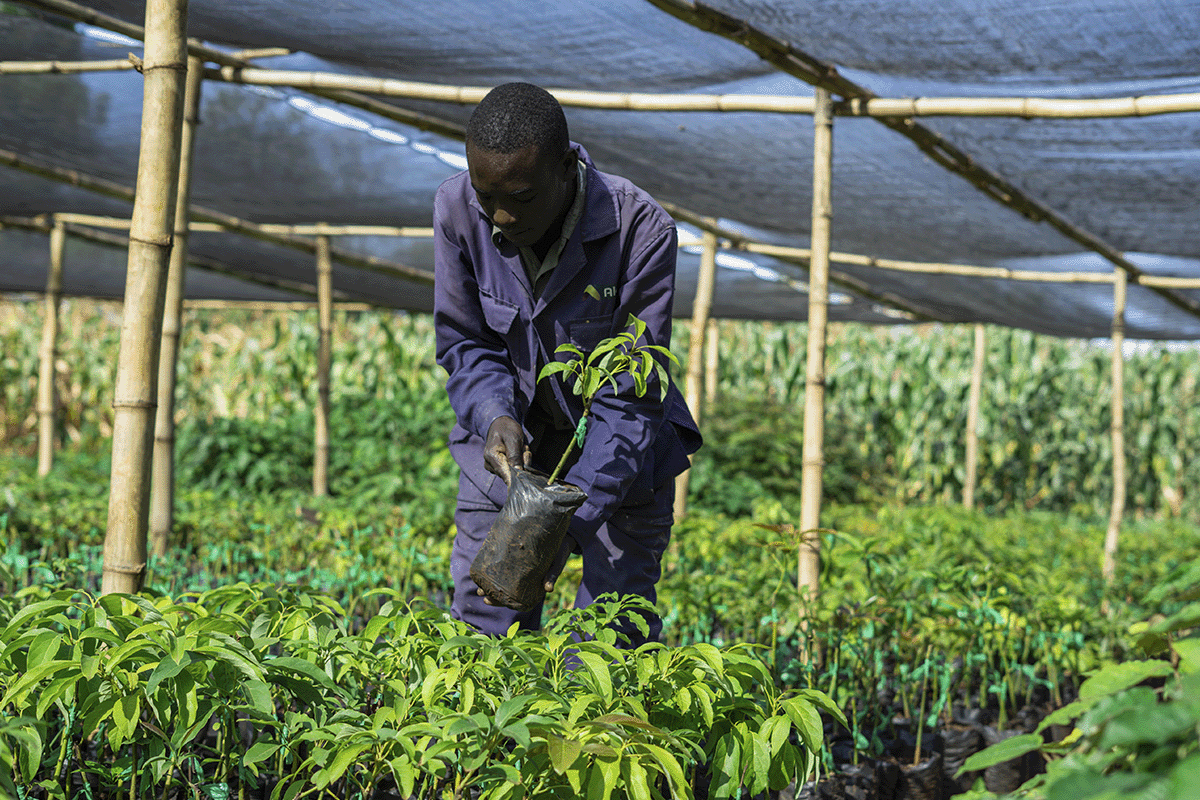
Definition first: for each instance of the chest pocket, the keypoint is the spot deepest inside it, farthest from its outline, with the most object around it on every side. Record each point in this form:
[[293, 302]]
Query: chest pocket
[[498, 314], [588, 332]]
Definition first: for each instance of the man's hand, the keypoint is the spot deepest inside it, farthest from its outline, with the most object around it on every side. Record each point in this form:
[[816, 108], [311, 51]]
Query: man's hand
[[505, 448]]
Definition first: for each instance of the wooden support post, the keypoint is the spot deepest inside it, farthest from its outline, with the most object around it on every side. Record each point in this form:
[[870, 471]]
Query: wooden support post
[[165, 65], [818, 314], [1118, 427], [324, 359], [701, 306], [47, 397], [972, 466], [712, 362], [162, 479]]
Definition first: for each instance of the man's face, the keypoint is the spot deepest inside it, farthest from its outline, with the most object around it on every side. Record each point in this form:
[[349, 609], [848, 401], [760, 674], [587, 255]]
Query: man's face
[[524, 193]]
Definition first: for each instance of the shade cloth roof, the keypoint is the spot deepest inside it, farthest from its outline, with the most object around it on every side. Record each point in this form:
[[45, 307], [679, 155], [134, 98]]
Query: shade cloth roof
[[282, 155]]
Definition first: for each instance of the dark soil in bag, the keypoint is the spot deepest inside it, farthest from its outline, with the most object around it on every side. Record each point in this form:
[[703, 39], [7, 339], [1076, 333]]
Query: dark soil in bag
[[524, 540]]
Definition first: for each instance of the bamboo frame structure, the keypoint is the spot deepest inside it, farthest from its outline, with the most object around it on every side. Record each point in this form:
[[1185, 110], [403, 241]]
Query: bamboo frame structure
[[162, 478], [47, 396], [793, 61], [973, 400], [324, 360], [808, 571], [701, 307], [165, 66], [1111, 537]]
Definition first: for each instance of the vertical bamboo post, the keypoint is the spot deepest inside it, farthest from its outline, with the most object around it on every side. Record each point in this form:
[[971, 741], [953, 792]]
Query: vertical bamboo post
[[701, 306], [47, 397], [818, 314], [712, 362], [150, 232], [324, 358], [162, 479], [1118, 426], [973, 419]]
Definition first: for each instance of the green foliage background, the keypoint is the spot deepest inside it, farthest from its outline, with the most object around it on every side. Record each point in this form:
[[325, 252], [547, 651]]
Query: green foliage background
[[896, 411]]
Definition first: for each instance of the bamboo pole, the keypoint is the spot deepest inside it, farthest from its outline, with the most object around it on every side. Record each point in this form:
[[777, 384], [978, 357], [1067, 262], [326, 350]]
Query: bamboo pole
[[973, 399], [712, 362], [63, 67], [1117, 430], [162, 479], [818, 313], [47, 397], [701, 306], [165, 65], [324, 357]]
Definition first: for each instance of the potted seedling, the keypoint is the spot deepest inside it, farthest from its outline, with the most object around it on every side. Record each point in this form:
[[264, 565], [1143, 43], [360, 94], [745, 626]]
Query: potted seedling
[[521, 546]]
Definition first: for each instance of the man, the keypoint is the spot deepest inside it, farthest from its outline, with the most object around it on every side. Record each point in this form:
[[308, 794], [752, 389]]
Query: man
[[519, 238]]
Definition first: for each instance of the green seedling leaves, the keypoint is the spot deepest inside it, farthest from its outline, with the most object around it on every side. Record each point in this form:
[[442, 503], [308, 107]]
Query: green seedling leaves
[[1006, 750], [1116, 677]]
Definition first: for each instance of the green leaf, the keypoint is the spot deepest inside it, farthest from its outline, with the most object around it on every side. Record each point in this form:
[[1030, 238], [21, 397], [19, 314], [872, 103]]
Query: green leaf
[[1006, 750], [166, 669], [125, 718], [670, 766], [553, 368], [726, 767], [590, 291], [1064, 715], [1117, 677], [259, 751], [597, 667], [342, 760], [258, 695], [509, 708], [637, 780], [563, 752], [806, 720]]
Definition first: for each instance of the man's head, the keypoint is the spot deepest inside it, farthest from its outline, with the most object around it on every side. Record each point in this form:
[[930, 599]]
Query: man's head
[[520, 162]]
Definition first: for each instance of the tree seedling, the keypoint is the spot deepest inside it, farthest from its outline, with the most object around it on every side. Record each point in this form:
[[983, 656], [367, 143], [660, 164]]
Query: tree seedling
[[617, 355]]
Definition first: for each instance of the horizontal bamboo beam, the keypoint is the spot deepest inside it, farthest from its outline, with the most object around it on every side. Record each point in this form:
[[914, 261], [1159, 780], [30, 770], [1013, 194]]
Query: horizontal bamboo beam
[[1026, 107], [63, 67], [468, 95], [314, 229], [732, 240], [261, 52], [272, 305], [43, 223], [227, 221], [327, 229]]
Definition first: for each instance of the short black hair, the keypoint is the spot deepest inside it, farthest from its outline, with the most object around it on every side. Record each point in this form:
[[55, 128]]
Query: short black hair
[[513, 116]]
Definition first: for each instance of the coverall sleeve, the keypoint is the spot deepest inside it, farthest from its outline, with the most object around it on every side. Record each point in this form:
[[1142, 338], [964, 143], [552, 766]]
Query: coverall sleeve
[[482, 382], [623, 426]]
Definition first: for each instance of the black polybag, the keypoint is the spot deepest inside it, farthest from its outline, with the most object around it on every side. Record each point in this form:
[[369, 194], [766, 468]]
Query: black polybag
[[522, 543]]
